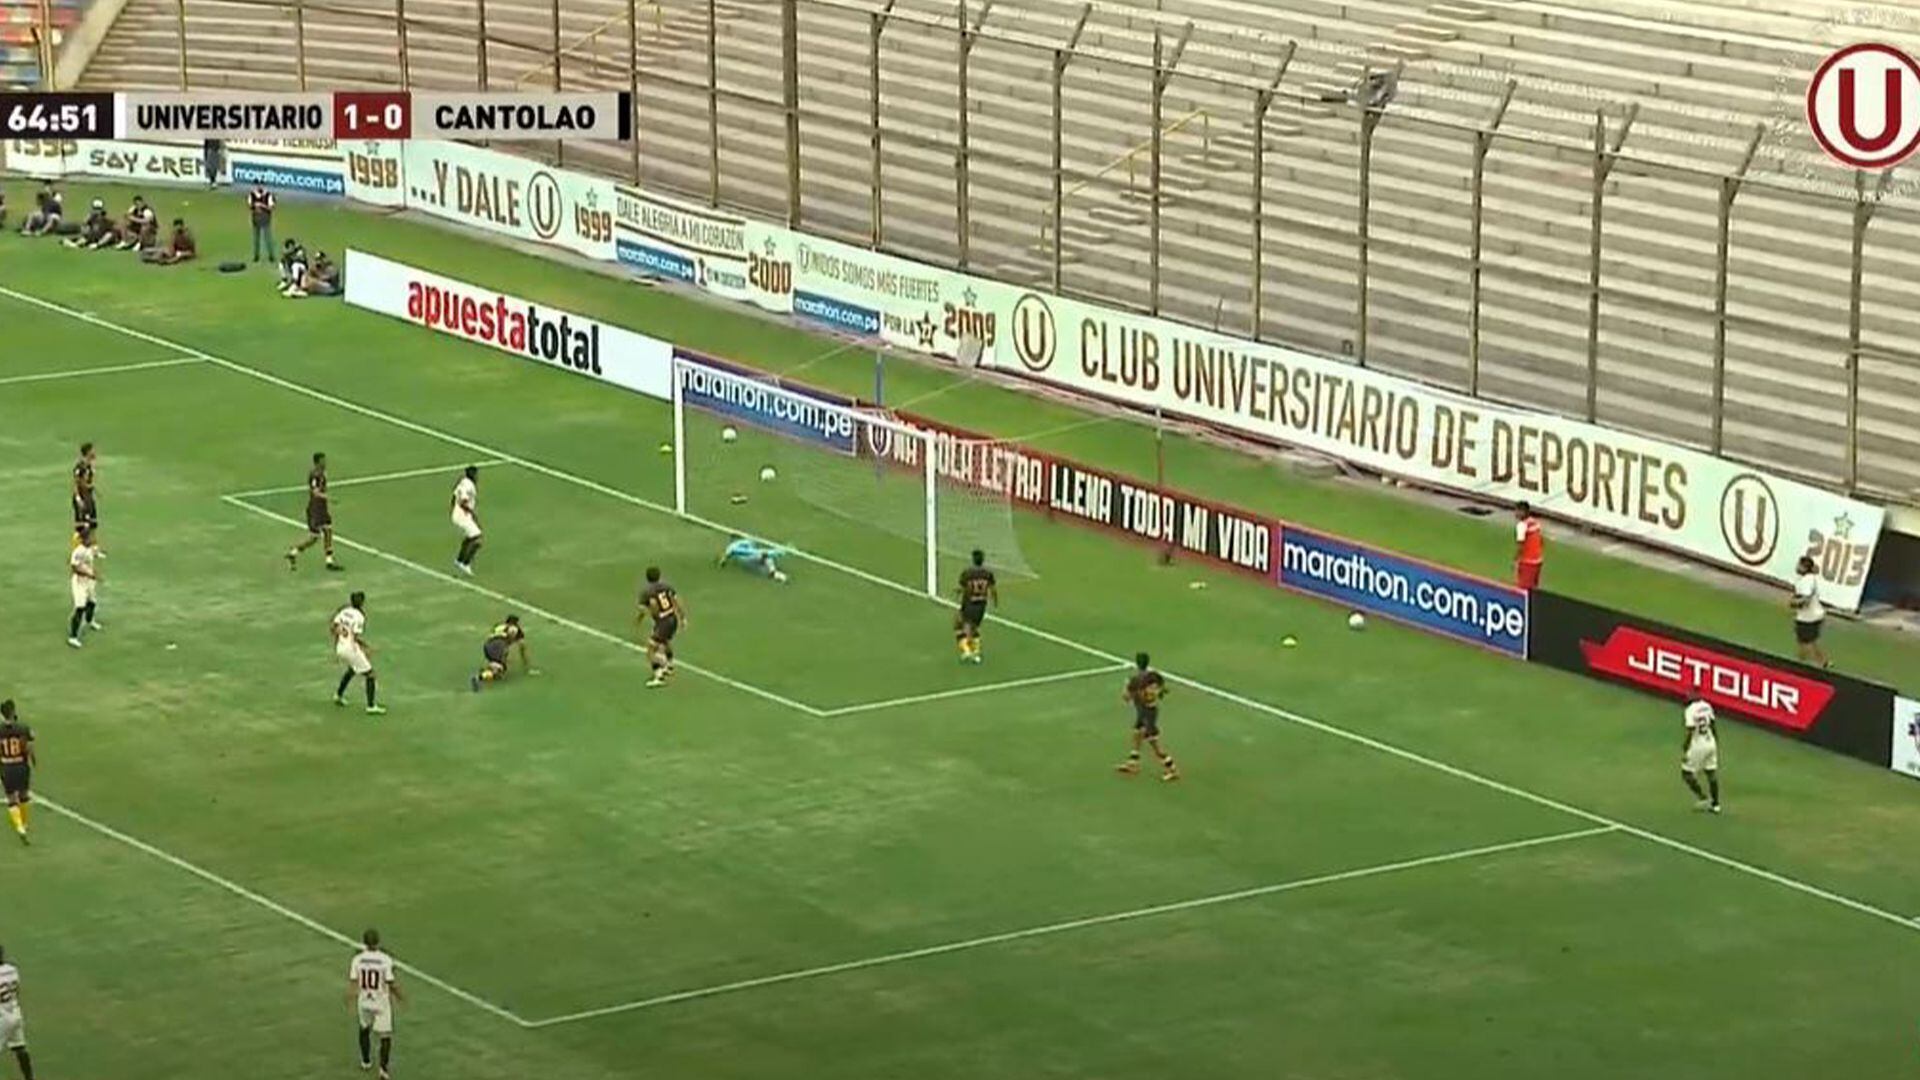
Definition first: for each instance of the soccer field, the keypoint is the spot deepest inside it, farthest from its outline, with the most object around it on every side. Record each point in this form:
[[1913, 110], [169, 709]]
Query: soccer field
[[829, 850]]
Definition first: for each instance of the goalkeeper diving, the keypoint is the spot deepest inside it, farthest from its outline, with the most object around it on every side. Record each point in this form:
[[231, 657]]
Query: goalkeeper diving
[[755, 557]]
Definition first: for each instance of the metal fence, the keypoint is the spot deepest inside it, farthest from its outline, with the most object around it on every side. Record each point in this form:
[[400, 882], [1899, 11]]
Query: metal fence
[[1732, 305]]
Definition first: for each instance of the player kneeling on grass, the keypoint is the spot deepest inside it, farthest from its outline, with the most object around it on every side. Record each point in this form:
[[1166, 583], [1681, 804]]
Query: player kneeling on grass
[[755, 557], [142, 229], [1145, 689], [1700, 753], [504, 636], [320, 278], [180, 247], [48, 209], [96, 231], [293, 265]]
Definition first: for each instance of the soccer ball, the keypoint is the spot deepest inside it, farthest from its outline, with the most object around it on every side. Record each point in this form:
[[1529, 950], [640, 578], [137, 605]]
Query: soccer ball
[[767, 474], [1356, 621], [727, 434]]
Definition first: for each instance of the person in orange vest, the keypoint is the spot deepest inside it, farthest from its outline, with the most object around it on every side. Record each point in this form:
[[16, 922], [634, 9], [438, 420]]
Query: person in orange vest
[[1529, 551]]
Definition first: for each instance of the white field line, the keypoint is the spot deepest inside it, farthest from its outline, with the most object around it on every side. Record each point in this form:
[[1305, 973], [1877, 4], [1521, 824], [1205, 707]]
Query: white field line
[[269, 904], [81, 373], [376, 478], [968, 691], [1049, 929], [473, 586], [1278, 713]]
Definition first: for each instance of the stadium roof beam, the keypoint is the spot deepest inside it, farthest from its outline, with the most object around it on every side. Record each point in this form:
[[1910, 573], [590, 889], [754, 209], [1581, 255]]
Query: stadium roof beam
[[968, 35], [1262, 101], [1482, 142], [1723, 245]]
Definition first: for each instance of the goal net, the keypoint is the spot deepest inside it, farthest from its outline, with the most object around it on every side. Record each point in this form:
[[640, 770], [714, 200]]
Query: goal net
[[853, 485]]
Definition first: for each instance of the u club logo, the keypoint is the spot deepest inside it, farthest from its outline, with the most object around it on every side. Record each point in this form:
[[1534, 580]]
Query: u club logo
[[1750, 519], [543, 205], [1863, 106], [1033, 333]]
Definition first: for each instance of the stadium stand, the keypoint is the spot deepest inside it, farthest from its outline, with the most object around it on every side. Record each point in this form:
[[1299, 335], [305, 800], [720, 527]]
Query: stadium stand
[[1693, 87]]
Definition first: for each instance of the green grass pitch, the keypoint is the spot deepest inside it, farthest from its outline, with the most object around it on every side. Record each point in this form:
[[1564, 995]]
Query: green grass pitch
[[832, 852]]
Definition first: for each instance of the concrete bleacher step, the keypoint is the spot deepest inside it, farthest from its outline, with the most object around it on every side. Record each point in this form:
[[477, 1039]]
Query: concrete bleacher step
[[1697, 67]]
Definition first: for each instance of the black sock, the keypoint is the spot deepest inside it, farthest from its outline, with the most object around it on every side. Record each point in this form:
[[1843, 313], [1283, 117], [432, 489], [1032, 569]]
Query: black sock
[[466, 549], [366, 1046], [1693, 785], [386, 1052], [369, 690], [26, 1063], [73, 624], [1713, 787], [90, 609], [346, 679]]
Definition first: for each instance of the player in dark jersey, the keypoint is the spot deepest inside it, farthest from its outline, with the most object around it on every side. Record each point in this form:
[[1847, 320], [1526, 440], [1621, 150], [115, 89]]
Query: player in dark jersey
[[977, 588], [660, 601], [505, 635], [16, 766], [1144, 690], [319, 516], [86, 512]]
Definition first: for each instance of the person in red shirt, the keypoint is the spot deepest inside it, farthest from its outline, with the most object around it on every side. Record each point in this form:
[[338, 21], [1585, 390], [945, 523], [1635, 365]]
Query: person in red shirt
[[1529, 550], [180, 247]]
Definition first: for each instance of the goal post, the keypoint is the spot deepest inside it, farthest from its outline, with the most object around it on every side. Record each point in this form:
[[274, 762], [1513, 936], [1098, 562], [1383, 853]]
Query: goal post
[[792, 467]]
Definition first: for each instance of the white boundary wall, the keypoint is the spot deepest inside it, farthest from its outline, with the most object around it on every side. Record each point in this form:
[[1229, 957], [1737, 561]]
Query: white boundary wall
[[1661, 493]]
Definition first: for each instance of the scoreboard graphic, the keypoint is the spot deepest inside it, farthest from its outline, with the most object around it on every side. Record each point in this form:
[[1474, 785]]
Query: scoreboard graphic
[[355, 114]]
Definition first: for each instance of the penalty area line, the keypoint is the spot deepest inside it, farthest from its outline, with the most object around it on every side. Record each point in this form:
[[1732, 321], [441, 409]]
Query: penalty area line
[[235, 888], [116, 369], [968, 691], [376, 478], [1049, 929], [553, 617]]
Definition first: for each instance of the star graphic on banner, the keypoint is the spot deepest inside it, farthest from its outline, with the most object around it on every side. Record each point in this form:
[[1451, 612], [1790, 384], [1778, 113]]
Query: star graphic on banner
[[373, 148], [971, 298], [771, 250], [593, 199], [923, 328], [1843, 526]]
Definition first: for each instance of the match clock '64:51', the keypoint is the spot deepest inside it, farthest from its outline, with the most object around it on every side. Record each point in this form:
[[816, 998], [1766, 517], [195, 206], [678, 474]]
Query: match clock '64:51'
[[67, 116]]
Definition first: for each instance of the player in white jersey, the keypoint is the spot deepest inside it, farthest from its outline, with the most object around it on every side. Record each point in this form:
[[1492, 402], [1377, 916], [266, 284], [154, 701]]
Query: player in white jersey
[[350, 646], [1700, 753], [13, 1026], [83, 580], [465, 518], [372, 991]]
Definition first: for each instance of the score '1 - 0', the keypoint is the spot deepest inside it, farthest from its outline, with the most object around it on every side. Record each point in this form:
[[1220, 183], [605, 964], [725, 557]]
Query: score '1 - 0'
[[372, 115]]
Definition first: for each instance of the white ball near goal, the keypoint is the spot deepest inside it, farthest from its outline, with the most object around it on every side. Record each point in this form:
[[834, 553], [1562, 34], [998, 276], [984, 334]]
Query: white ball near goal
[[767, 474], [728, 434], [1356, 621]]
